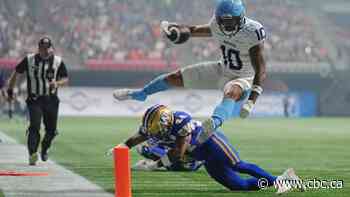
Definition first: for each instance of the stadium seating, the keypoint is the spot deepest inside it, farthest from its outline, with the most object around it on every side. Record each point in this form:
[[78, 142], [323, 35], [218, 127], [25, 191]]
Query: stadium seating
[[121, 30]]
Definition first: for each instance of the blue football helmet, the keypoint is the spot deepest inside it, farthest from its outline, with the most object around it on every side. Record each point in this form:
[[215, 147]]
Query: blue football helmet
[[230, 16]]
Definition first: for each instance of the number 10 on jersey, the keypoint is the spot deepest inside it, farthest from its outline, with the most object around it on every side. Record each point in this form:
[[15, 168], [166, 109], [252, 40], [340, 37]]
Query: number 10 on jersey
[[228, 55]]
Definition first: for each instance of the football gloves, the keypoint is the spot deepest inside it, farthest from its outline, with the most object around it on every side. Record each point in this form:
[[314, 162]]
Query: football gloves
[[109, 152], [174, 33], [246, 109]]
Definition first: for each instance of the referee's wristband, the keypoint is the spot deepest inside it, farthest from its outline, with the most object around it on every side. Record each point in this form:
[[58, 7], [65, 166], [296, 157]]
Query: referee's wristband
[[258, 89]]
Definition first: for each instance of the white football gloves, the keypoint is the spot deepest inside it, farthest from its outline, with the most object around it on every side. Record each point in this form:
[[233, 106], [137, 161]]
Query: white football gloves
[[248, 106], [166, 33], [109, 152], [208, 130], [146, 165], [246, 109]]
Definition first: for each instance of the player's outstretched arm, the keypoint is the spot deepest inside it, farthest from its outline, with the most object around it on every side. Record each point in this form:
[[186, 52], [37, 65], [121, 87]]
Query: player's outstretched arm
[[130, 143], [259, 64], [179, 151], [178, 34], [175, 156], [135, 140], [200, 31]]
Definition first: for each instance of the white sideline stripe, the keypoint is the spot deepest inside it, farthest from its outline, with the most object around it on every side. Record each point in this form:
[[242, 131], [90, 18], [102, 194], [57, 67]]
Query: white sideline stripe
[[4, 138], [60, 182]]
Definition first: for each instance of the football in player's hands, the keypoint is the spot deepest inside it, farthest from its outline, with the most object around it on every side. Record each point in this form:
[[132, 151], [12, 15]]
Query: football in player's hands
[[177, 34]]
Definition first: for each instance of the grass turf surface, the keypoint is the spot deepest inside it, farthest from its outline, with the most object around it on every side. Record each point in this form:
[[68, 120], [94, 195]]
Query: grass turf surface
[[315, 148]]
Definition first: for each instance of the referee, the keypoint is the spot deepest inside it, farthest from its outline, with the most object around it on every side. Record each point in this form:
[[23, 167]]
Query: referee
[[45, 72]]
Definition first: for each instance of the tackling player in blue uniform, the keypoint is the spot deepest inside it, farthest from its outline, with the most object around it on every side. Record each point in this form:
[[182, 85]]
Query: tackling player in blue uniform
[[241, 69], [221, 160]]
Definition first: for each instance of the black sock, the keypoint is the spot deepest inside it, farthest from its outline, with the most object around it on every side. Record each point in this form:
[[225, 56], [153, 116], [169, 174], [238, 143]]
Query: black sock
[[33, 141]]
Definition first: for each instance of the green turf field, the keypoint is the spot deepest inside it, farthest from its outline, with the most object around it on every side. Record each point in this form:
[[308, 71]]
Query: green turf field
[[316, 148]]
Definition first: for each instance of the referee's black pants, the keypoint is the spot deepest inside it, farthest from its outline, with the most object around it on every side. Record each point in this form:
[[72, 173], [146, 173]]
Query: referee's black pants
[[42, 108]]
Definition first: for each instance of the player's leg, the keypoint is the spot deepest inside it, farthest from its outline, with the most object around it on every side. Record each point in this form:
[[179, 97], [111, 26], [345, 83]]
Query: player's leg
[[219, 165], [161, 83], [50, 116], [234, 91], [33, 131], [239, 165], [199, 76], [219, 157], [227, 177], [231, 159], [254, 170]]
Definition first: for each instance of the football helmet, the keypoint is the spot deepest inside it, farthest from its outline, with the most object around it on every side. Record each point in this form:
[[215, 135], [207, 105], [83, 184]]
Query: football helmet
[[157, 120], [230, 16]]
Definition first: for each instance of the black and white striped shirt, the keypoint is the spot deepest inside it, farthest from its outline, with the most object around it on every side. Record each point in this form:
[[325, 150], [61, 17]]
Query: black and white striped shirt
[[40, 72]]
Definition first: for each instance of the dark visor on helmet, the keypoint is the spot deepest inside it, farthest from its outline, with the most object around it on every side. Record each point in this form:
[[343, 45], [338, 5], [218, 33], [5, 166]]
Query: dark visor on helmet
[[229, 23]]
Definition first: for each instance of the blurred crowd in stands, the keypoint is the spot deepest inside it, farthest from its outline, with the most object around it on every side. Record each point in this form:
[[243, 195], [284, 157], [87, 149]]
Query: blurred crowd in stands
[[129, 30]]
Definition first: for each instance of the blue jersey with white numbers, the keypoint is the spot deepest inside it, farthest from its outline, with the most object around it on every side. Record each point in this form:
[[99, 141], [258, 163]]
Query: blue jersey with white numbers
[[184, 125]]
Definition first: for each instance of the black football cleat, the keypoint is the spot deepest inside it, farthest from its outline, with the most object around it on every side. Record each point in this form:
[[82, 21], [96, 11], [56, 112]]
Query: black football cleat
[[44, 156]]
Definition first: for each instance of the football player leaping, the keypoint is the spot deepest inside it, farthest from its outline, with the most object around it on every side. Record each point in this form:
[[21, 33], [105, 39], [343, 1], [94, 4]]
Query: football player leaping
[[220, 159], [241, 69]]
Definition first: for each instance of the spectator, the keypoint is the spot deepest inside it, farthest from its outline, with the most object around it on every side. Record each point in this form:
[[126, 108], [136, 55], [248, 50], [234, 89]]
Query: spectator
[[122, 30]]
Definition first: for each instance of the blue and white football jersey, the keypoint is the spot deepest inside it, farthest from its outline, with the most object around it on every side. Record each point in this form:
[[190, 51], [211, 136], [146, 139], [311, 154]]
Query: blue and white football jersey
[[183, 126], [235, 48]]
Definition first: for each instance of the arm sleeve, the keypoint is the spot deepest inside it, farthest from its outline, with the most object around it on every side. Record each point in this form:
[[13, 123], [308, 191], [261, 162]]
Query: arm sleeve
[[22, 66], [258, 35], [212, 23], [142, 131], [62, 71]]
